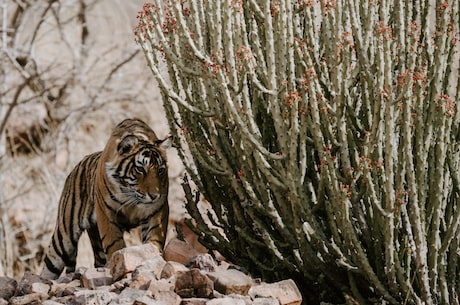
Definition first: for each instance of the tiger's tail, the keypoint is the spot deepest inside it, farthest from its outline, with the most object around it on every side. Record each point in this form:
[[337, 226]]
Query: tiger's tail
[[62, 253]]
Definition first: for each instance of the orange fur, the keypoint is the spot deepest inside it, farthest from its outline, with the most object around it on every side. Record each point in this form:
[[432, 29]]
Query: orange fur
[[109, 192]]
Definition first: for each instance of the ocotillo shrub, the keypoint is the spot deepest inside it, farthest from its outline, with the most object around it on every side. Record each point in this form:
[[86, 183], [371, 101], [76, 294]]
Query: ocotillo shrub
[[324, 136]]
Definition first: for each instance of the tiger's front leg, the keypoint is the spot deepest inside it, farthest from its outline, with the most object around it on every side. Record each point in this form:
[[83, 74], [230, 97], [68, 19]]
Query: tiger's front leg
[[110, 233], [155, 230]]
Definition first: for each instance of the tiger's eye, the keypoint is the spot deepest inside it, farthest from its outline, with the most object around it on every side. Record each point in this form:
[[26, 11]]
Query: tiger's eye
[[140, 170]]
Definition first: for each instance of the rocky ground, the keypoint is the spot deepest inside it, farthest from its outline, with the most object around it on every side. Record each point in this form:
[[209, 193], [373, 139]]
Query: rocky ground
[[140, 275]]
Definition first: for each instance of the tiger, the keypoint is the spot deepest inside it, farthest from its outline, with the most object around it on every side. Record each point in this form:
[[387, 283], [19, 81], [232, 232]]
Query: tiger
[[109, 192]]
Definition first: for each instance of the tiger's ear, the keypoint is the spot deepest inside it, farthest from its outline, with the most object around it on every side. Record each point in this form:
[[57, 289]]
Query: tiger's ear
[[127, 144], [165, 143]]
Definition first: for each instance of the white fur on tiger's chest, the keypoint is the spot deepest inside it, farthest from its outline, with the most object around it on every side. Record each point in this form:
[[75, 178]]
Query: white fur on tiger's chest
[[140, 212]]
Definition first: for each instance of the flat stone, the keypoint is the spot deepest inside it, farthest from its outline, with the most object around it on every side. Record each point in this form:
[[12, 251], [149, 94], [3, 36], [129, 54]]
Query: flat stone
[[226, 301], [25, 284], [32, 299], [128, 296], [142, 280], [145, 300], [126, 260], [51, 302], [39, 287], [168, 297], [265, 301], [93, 297], [96, 277], [7, 287], [179, 251], [162, 285], [171, 269], [193, 283], [203, 262], [69, 299], [154, 265], [194, 301], [118, 286], [231, 281], [64, 289], [247, 299], [286, 292]]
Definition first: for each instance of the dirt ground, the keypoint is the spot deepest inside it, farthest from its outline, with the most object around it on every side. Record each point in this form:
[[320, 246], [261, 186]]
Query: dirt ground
[[30, 184]]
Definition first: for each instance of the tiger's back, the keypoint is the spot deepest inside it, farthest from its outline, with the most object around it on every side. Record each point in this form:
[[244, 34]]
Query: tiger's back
[[109, 192]]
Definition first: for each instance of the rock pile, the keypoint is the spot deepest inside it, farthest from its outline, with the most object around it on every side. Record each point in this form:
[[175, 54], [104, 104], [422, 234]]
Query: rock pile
[[139, 275]]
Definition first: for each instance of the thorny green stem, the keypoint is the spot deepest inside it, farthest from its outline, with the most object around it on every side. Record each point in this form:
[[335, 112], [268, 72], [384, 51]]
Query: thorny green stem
[[323, 134]]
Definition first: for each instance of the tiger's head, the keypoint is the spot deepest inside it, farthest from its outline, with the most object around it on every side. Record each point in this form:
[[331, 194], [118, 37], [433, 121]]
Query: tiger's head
[[135, 163]]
